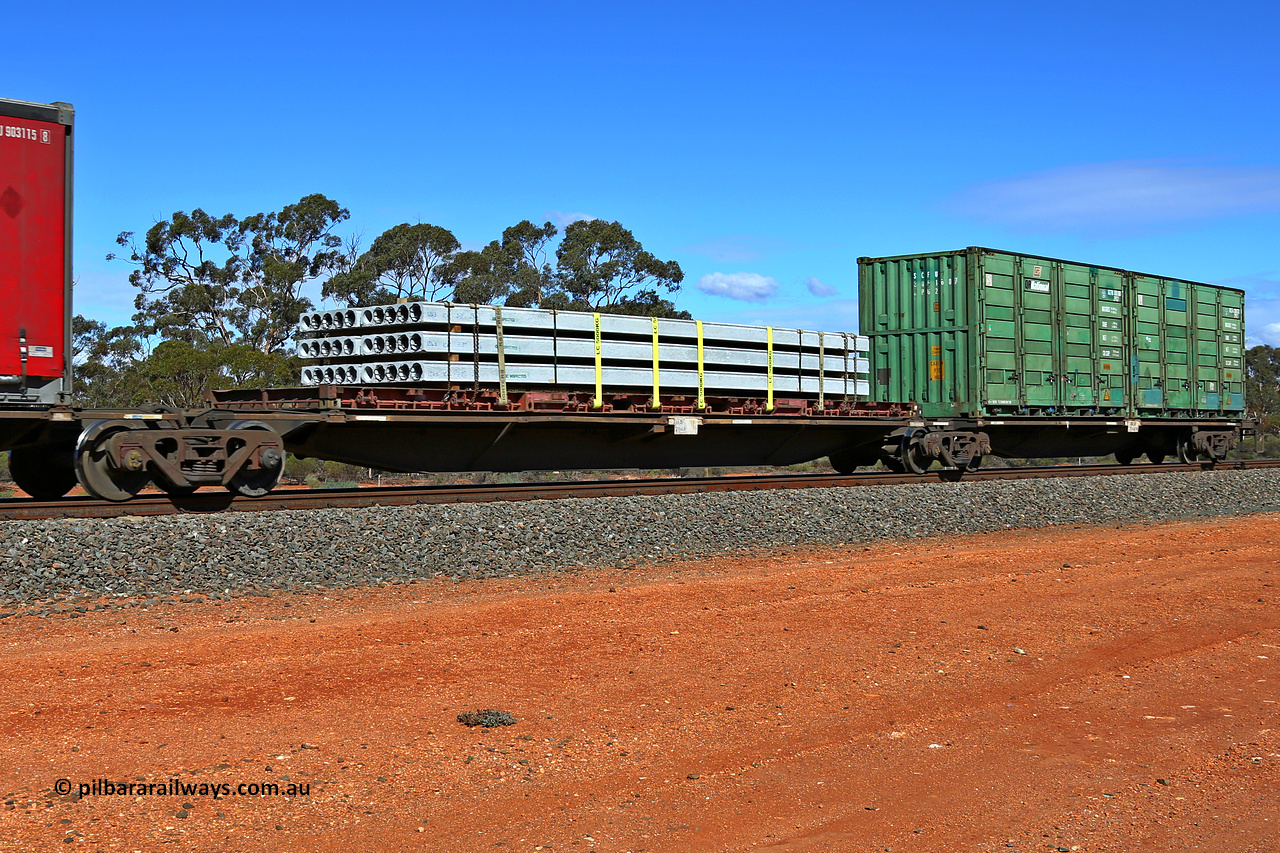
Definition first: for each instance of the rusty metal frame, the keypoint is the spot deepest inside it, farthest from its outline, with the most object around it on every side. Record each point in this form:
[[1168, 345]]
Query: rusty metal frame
[[164, 452]]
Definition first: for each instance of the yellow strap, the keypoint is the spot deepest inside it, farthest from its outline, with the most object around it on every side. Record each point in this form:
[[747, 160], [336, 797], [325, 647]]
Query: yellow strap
[[656, 404], [502, 358], [769, 402], [822, 371], [845, 335], [702, 387], [598, 402]]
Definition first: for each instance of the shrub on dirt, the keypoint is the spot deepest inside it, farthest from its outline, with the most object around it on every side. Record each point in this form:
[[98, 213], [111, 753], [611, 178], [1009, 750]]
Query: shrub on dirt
[[487, 717]]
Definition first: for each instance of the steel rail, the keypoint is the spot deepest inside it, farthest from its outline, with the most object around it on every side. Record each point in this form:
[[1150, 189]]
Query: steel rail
[[14, 509]]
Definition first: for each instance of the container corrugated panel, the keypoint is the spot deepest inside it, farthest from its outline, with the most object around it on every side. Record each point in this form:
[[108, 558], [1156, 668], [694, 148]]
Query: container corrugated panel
[[35, 249], [985, 332]]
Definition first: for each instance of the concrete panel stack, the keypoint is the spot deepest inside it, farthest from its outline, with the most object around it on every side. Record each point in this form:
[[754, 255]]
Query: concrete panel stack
[[441, 344]]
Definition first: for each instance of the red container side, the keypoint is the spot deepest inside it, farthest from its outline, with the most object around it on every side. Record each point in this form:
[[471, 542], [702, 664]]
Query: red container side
[[34, 240]]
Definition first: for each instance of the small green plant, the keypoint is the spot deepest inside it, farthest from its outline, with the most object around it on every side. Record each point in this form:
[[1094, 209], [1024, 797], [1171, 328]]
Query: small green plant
[[340, 484]]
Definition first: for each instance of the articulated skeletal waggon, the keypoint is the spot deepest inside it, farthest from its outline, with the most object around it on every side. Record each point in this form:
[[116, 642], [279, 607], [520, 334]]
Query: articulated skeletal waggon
[[960, 355]]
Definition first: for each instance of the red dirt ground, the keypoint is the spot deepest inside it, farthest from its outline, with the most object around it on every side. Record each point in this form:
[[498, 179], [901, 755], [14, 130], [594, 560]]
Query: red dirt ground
[[1070, 689]]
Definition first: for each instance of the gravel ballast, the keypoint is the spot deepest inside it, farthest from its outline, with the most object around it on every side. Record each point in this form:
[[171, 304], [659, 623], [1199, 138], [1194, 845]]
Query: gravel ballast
[[138, 560]]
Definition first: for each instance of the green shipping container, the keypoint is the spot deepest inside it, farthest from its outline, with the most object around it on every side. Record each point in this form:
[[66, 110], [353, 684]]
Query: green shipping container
[[979, 332]]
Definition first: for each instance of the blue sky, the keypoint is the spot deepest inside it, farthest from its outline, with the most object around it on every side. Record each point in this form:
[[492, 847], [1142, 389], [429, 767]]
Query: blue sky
[[764, 146]]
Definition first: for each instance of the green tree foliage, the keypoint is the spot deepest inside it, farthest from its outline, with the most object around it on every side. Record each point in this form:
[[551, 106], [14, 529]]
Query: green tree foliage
[[219, 298], [102, 359], [226, 281], [601, 266], [406, 262], [1262, 385], [513, 271], [113, 368], [176, 373], [218, 302]]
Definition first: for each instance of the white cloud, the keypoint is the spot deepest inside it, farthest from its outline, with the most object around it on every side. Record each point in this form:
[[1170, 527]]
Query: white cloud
[[1122, 193], [817, 288], [746, 286], [1262, 321], [566, 219], [1268, 334]]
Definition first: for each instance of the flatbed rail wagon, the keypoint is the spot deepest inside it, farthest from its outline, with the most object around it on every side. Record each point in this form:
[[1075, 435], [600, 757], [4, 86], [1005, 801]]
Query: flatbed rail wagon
[[960, 355]]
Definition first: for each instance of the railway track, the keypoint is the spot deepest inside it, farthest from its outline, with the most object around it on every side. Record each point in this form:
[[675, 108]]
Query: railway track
[[13, 509]]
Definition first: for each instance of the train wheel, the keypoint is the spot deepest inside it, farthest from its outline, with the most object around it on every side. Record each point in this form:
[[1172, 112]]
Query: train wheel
[[1186, 452], [843, 462], [1155, 458], [42, 472], [255, 482], [98, 473], [1124, 457], [913, 458]]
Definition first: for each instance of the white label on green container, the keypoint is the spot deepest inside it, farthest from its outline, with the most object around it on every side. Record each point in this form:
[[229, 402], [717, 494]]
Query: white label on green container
[[1036, 285]]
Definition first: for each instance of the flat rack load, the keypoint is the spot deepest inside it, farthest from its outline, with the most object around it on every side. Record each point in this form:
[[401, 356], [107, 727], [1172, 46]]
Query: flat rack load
[[441, 344]]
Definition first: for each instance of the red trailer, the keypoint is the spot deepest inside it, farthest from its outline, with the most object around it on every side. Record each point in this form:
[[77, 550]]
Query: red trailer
[[35, 252]]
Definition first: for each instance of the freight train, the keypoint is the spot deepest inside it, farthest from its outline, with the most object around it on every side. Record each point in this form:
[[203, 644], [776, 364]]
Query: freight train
[[960, 355]]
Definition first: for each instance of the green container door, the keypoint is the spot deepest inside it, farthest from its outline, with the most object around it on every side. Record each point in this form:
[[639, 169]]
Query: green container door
[[1111, 353], [1190, 348], [1002, 369], [1021, 345], [1146, 363], [1054, 335], [1231, 313], [1217, 385], [1078, 376], [1035, 295], [919, 311]]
